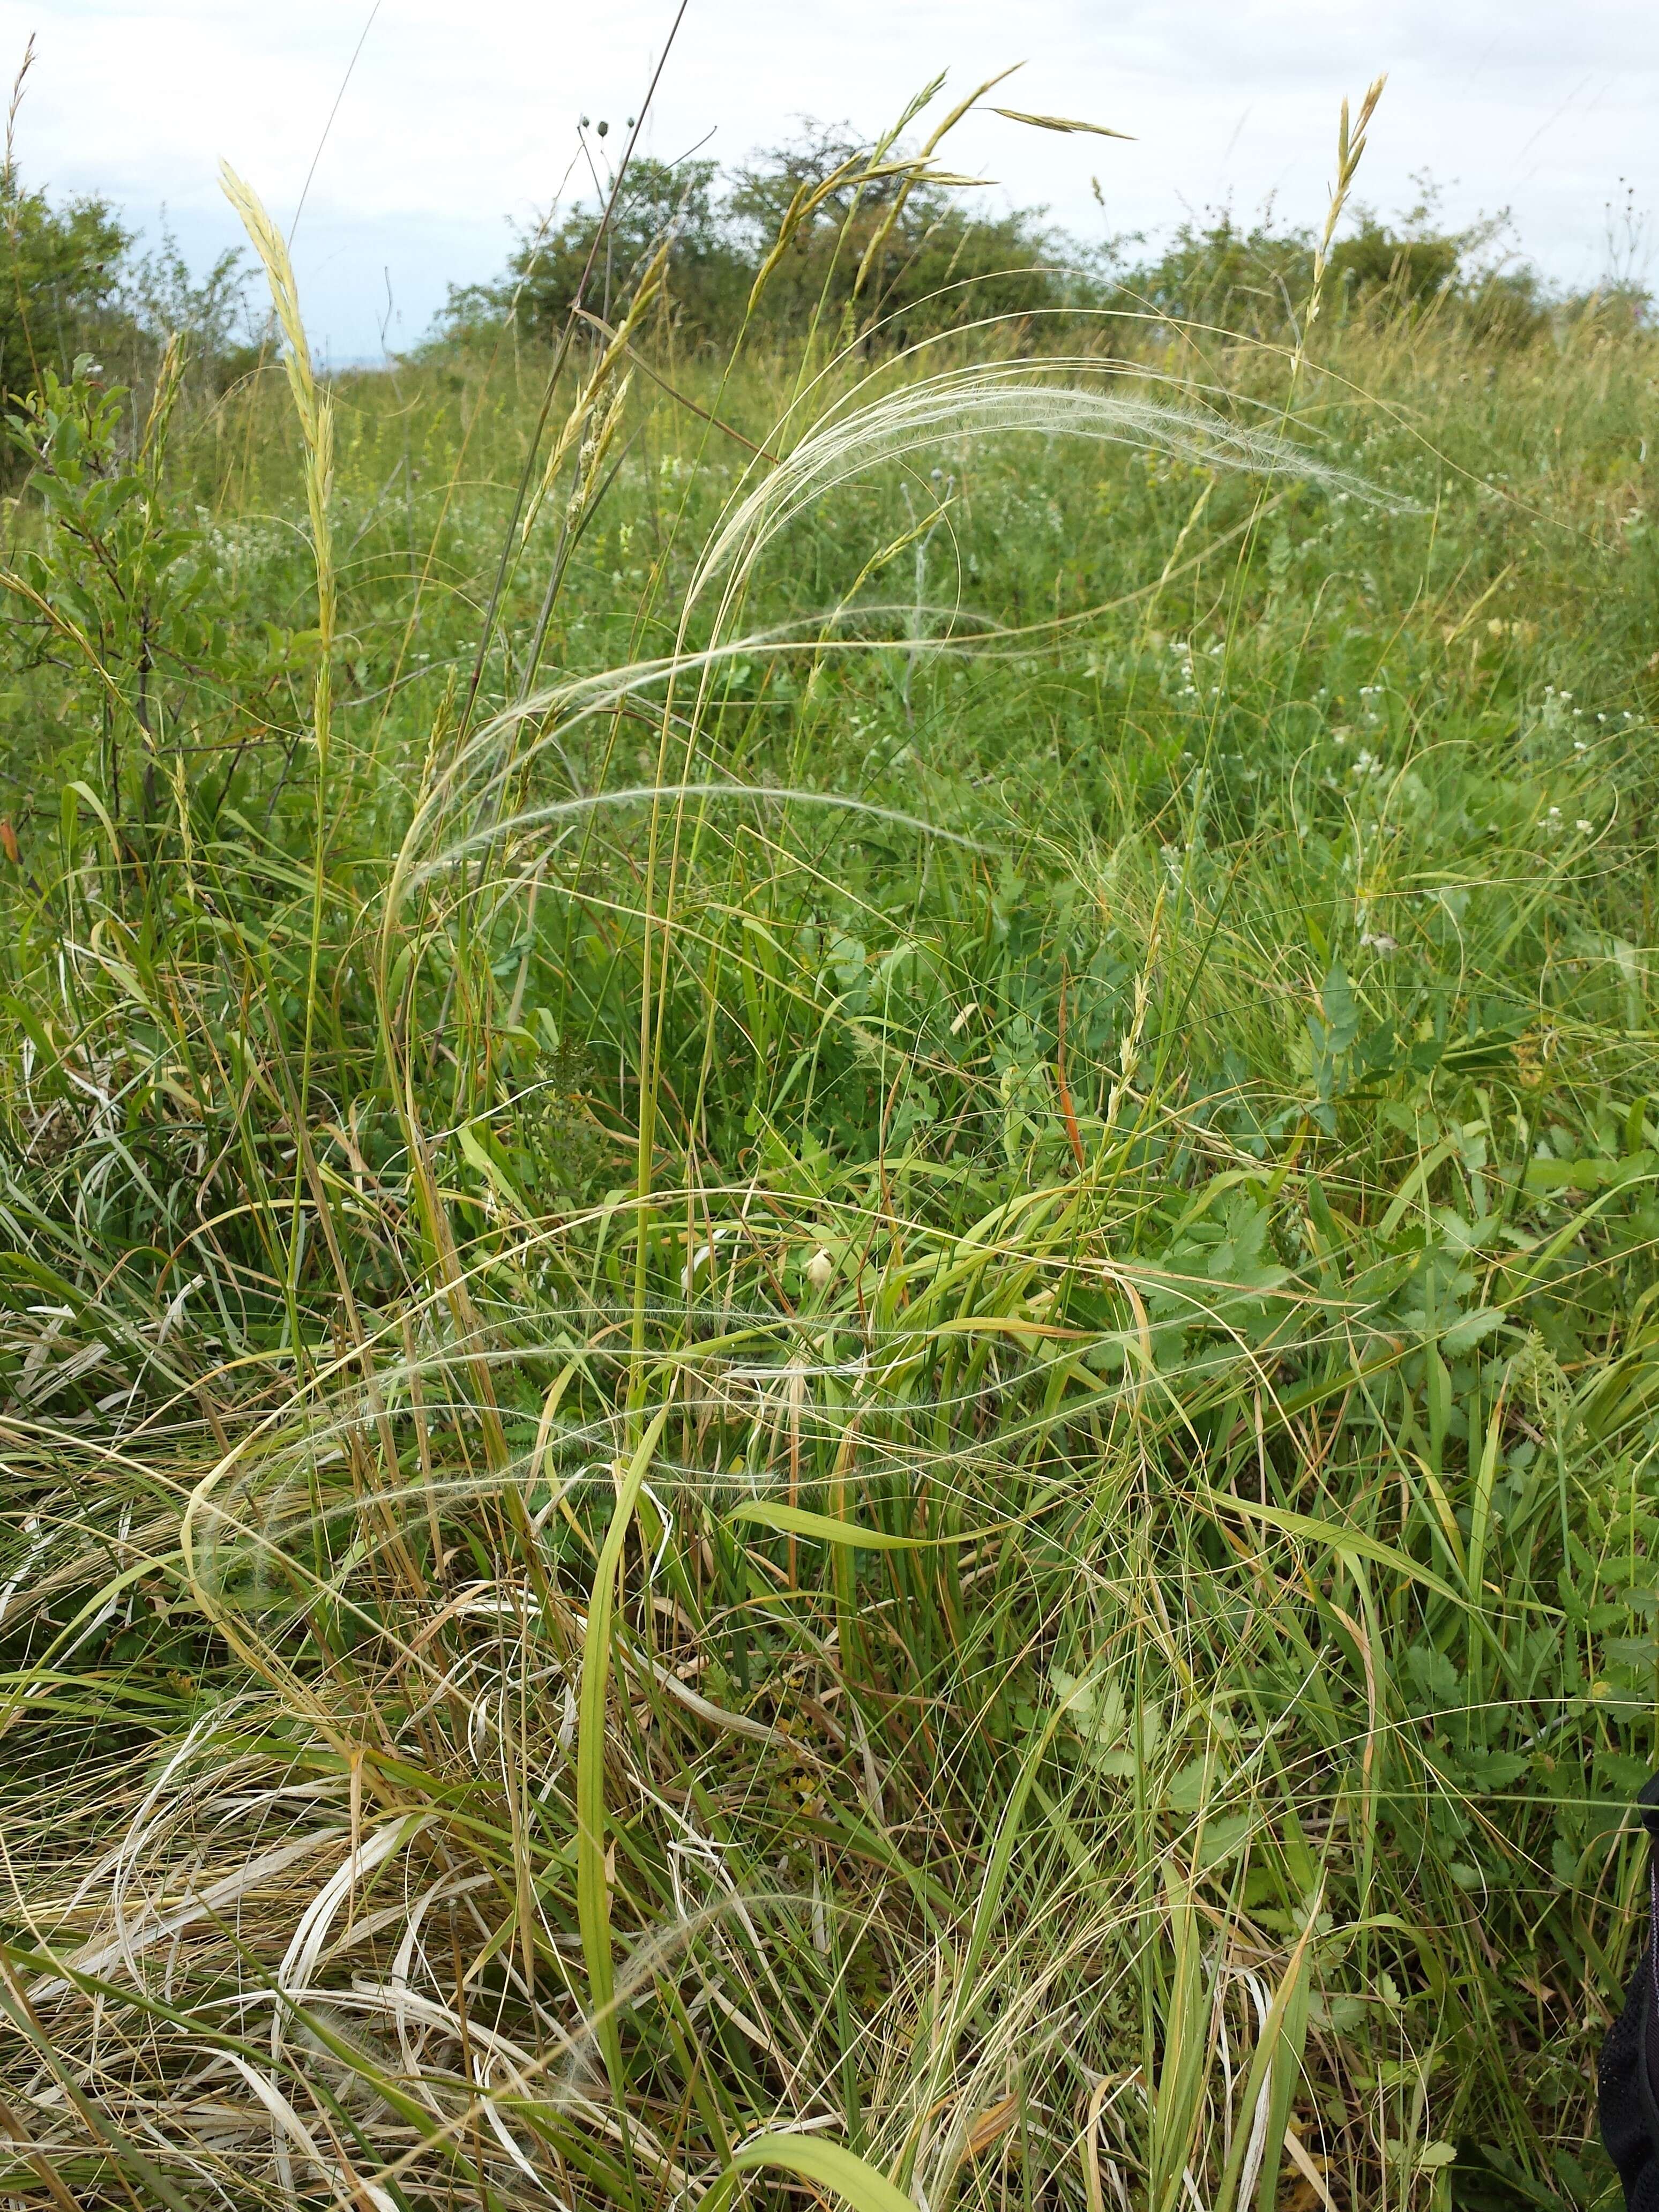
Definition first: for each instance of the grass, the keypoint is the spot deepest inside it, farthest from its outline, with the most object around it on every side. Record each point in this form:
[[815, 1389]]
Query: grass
[[829, 1345]]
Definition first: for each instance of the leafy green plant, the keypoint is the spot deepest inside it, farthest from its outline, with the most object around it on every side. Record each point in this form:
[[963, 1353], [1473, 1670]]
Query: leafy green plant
[[128, 595], [60, 276]]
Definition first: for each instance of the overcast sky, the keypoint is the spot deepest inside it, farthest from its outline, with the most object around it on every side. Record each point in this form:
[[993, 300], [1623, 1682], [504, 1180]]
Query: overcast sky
[[460, 115]]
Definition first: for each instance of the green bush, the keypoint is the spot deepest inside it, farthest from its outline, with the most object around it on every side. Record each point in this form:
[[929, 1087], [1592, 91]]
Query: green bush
[[709, 277], [60, 274], [1255, 282], [906, 258]]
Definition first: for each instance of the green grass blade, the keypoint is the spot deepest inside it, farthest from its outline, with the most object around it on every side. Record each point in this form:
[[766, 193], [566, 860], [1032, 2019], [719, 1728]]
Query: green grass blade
[[592, 1890], [829, 2165]]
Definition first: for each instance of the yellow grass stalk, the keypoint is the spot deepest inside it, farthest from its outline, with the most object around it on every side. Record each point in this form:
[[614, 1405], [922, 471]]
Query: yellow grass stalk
[[588, 397], [315, 409]]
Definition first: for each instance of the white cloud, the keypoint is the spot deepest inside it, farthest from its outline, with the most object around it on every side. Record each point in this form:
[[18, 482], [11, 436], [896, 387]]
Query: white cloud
[[459, 117]]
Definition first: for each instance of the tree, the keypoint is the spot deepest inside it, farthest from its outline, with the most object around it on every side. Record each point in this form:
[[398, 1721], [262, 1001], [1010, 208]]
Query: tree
[[160, 298], [927, 262], [118, 585], [1392, 270], [59, 279], [706, 278], [1251, 283], [1254, 283], [935, 263]]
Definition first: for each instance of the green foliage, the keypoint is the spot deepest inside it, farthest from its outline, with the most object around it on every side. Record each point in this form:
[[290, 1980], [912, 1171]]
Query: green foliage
[[1374, 263], [1256, 280], [162, 298], [935, 265], [74, 288], [120, 602], [708, 276], [59, 273]]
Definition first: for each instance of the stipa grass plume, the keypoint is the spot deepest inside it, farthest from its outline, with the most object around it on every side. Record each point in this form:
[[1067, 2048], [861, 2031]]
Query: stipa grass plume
[[955, 405], [975, 402], [389, 2056], [952, 407]]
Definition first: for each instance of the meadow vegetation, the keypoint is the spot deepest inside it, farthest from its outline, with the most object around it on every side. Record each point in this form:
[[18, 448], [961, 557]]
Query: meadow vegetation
[[829, 1362]]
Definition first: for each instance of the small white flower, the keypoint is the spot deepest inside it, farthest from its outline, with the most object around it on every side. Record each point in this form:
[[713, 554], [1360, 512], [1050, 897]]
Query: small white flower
[[1380, 942], [1583, 824]]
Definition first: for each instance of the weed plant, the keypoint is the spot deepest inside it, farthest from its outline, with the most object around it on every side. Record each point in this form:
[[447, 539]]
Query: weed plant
[[829, 1344]]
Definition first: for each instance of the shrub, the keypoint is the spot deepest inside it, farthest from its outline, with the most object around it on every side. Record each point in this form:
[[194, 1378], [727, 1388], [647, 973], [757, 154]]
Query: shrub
[[59, 281], [709, 277], [935, 263]]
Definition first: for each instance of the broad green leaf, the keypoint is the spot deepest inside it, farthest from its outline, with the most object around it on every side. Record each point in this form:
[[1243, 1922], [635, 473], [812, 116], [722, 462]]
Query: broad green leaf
[[1469, 1328], [497, 1177], [830, 2164]]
